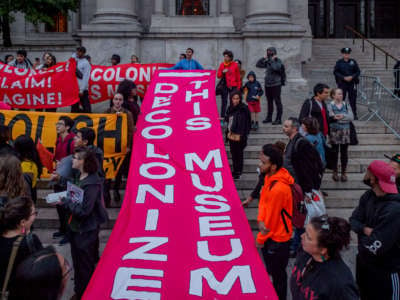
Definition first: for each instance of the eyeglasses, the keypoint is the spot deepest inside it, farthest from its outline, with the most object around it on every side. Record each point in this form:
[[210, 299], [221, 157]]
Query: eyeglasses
[[325, 224]]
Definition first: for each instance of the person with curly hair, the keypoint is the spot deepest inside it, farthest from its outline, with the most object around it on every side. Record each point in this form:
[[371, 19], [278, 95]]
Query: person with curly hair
[[319, 272]]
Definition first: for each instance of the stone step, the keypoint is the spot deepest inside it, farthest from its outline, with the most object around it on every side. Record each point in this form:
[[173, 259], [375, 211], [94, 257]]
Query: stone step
[[361, 129], [249, 180], [256, 138], [354, 165], [359, 151]]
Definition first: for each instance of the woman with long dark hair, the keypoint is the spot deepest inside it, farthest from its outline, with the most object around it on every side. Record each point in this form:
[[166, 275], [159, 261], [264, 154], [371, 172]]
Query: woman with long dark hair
[[12, 183], [87, 214], [16, 219], [30, 162], [319, 271], [239, 124], [310, 127]]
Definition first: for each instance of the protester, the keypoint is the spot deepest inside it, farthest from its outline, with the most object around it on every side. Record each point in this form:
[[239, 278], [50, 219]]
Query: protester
[[230, 71], [319, 271], [21, 62], [340, 115], [376, 220], [8, 58], [310, 127], [275, 229], [255, 194], [317, 108], [182, 56], [274, 79], [43, 275], [128, 89], [253, 92], [239, 124], [304, 163], [12, 183], [115, 59], [64, 148], [87, 215], [16, 219], [36, 63], [44, 60], [5, 139], [347, 75], [241, 71], [83, 73], [134, 59], [189, 63], [117, 108], [50, 62], [394, 161], [30, 162]]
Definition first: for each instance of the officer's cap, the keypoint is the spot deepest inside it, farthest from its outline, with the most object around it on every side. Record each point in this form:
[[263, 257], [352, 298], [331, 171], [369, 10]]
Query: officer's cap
[[346, 50]]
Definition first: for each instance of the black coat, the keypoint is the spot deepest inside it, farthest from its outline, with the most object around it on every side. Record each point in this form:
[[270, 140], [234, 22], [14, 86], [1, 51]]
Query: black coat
[[315, 112], [241, 119], [344, 69]]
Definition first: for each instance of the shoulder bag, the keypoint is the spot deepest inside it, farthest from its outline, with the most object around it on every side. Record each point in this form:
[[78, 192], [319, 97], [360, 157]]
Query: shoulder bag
[[4, 292], [221, 86]]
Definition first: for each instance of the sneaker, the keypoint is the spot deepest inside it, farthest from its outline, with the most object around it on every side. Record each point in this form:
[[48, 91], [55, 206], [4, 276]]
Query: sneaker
[[256, 126], [57, 235], [64, 241]]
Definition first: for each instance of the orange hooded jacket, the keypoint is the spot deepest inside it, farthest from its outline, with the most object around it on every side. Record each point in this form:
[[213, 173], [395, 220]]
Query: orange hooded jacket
[[272, 202]]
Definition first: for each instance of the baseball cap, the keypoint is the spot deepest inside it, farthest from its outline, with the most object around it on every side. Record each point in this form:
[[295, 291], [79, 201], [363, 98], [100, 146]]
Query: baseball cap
[[395, 158], [385, 174]]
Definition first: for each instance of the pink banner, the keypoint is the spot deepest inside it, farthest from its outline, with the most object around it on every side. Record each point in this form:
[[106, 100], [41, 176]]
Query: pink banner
[[181, 232]]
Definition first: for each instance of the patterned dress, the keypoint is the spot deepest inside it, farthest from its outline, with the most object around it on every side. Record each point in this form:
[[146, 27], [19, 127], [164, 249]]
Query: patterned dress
[[340, 129]]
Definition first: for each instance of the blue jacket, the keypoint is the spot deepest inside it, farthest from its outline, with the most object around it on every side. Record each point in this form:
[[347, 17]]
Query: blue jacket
[[187, 64], [254, 88]]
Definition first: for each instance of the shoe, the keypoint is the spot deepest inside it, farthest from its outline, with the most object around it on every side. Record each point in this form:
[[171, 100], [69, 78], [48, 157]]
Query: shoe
[[117, 196], [335, 176], [343, 178], [256, 126], [325, 194], [355, 117], [57, 235], [267, 120], [64, 241], [236, 176], [277, 122]]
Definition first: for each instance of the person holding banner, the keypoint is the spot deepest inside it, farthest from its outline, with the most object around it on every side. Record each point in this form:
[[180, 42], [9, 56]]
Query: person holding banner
[[21, 62], [239, 124], [319, 271], [117, 108], [83, 68], [87, 214]]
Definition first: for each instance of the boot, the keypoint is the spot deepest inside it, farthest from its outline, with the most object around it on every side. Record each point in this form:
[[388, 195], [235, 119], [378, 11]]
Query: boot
[[252, 124], [335, 175], [343, 178], [268, 119], [277, 122], [256, 125]]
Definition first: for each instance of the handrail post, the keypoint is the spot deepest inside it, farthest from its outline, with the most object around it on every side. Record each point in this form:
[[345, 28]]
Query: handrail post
[[386, 61], [363, 45], [373, 52]]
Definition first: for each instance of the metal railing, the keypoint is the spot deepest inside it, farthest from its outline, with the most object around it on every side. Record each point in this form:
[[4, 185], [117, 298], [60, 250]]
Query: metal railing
[[375, 47], [380, 102]]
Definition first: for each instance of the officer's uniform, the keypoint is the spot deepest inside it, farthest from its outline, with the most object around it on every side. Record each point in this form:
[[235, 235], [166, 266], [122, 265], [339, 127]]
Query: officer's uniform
[[348, 68]]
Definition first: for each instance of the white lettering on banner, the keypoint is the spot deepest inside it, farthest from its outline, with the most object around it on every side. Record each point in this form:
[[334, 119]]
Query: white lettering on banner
[[93, 74], [123, 280], [196, 108], [167, 132], [222, 207], [95, 91], [222, 287], [198, 124], [190, 95], [198, 83], [150, 152], [117, 76], [145, 74], [141, 253], [132, 76], [161, 101], [217, 179], [109, 74], [168, 196], [206, 224], [144, 170], [152, 220], [149, 117], [204, 252], [203, 164], [166, 88], [111, 89]]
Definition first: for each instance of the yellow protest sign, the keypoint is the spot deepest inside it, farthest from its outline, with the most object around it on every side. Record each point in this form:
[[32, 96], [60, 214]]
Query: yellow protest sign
[[111, 131]]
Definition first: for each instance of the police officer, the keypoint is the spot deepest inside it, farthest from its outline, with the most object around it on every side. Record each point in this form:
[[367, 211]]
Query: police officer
[[347, 75]]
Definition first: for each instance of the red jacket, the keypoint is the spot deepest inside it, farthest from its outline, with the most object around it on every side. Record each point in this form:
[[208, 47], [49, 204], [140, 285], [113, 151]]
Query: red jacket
[[64, 147], [232, 76]]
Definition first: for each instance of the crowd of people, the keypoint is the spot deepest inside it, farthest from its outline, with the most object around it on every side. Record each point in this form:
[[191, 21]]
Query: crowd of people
[[290, 177]]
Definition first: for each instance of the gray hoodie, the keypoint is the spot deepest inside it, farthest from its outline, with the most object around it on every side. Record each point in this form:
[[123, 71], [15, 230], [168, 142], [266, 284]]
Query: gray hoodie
[[273, 75]]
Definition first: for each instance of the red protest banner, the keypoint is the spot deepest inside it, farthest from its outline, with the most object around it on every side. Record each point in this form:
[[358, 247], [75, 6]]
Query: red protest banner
[[23, 88], [104, 80]]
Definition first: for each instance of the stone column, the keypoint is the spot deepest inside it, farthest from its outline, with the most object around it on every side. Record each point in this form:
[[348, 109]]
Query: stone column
[[115, 12], [225, 7], [266, 12], [159, 7]]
